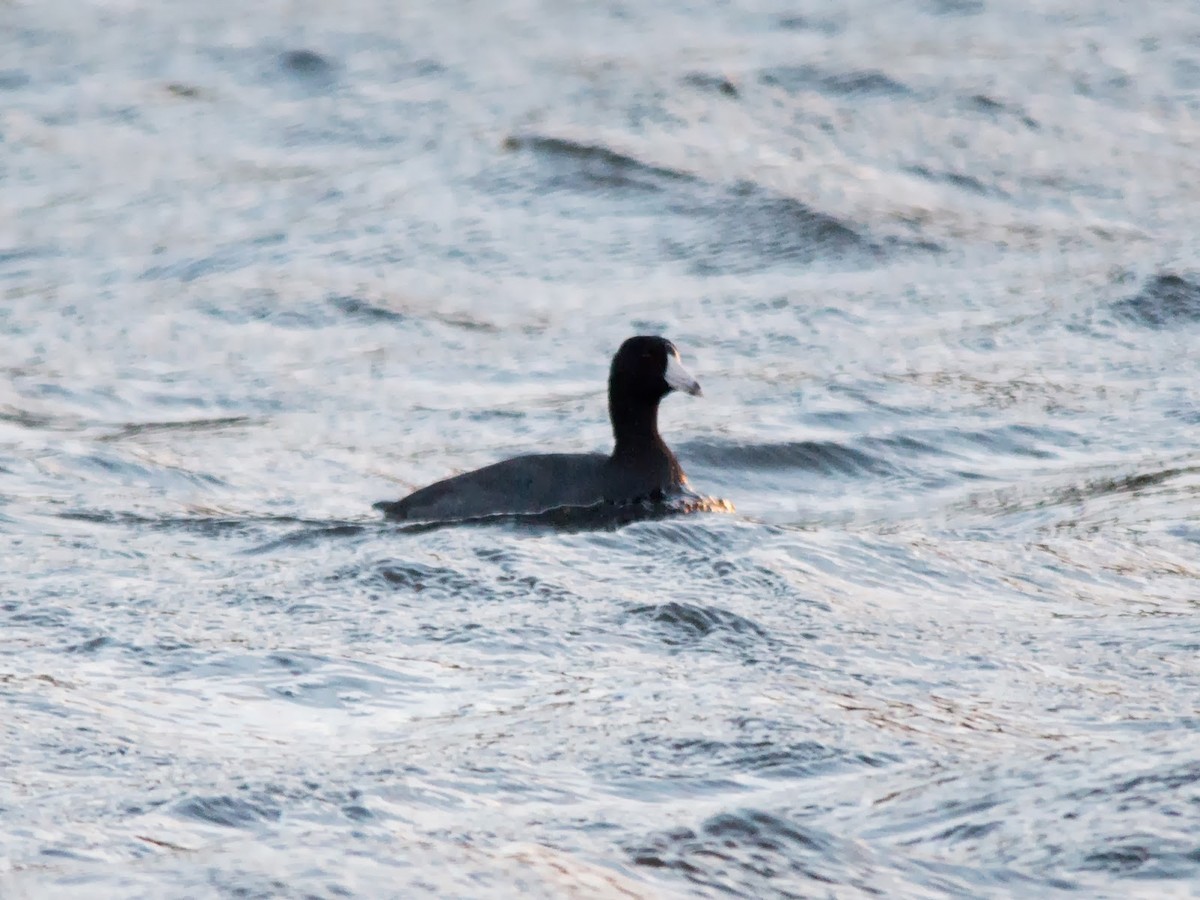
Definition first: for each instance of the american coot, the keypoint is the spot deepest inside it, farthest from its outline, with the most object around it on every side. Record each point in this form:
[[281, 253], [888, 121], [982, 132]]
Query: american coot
[[641, 466]]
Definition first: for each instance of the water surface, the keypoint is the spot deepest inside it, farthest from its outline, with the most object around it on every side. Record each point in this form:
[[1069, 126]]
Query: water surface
[[936, 267]]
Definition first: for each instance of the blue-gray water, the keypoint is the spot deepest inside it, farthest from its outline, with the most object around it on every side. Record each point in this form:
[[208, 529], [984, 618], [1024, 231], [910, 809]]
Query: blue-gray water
[[936, 265]]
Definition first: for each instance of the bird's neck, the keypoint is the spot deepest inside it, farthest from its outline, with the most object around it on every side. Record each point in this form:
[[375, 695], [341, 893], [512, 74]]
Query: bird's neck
[[635, 430]]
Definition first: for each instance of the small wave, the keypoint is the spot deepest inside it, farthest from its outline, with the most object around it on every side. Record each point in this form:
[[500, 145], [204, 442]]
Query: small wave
[[417, 578], [957, 7], [993, 107], [121, 469], [228, 812], [1126, 851], [138, 429], [584, 166], [313, 533], [91, 645], [11, 80], [1037, 497], [24, 418], [687, 623], [883, 456], [826, 457], [435, 583], [224, 526], [1124, 484], [868, 82], [747, 853], [959, 180], [746, 225], [736, 227], [355, 308], [706, 81], [1163, 301], [1011, 440], [807, 23], [756, 853], [764, 756], [226, 258]]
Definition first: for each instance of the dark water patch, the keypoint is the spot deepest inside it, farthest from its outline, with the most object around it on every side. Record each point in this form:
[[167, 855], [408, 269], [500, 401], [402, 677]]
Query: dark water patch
[[717, 84], [13, 79], [684, 624], [36, 421], [465, 633], [21, 254], [531, 587], [1167, 783], [296, 663], [184, 91], [229, 812], [954, 819], [1126, 484], [808, 23], [441, 582], [1165, 300], [1187, 533], [417, 578], [956, 7], [356, 813], [748, 853], [137, 429], [993, 107], [765, 756], [468, 323], [368, 312], [91, 645], [864, 83], [1144, 857], [310, 71], [755, 853], [1121, 859], [806, 759], [521, 640], [306, 63], [39, 616], [230, 257], [959, 180], [1186, 74], [312, 534], [573, 165], [1164, 797]]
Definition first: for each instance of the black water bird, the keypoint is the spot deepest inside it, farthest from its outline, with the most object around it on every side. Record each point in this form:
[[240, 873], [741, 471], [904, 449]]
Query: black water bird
[[641, 467]]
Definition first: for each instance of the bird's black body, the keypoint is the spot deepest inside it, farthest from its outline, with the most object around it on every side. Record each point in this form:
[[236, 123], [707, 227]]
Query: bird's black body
[[641, 466]]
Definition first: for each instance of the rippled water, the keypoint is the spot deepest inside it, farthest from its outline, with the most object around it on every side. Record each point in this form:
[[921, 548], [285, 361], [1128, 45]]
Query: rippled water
[[936, 267]]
